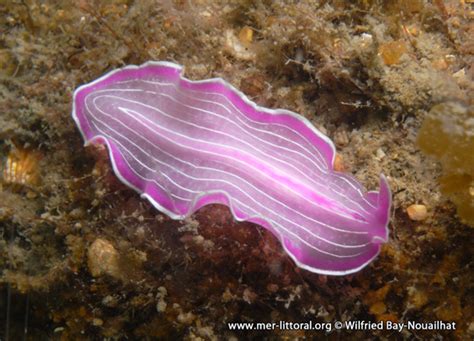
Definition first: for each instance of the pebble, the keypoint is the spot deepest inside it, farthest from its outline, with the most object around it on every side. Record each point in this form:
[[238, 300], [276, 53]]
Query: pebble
[[186, 318], [97, 322], [234, 46], [339, 163], [77, 213], [103, 258], [110, 301], [341, 138], [379, 154], [417, 212], [246, 35]]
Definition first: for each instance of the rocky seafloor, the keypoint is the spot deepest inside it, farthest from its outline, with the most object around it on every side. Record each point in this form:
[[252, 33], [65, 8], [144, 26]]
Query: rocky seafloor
[[83, 257]]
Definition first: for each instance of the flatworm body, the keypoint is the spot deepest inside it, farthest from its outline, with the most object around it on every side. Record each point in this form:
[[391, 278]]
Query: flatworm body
[[184, 144]]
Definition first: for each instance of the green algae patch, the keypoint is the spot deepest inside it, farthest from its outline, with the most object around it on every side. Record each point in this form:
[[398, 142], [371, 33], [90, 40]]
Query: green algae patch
[[448, 134]]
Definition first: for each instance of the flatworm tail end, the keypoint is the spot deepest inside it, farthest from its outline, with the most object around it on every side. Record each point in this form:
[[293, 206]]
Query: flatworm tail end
[[384, 202], [379, 232]]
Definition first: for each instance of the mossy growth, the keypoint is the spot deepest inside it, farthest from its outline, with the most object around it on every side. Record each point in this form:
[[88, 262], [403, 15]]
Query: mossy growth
[[448, 134]]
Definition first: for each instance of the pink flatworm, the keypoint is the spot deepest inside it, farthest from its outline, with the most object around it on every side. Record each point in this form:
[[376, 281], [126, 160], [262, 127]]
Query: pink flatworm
[[184, 144]]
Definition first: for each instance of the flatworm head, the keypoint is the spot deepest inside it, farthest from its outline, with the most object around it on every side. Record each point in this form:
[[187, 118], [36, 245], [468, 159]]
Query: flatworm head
[[184, 144]]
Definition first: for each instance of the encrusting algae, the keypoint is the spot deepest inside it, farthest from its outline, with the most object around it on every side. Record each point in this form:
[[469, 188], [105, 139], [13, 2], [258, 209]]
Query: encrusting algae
[[448, 134]]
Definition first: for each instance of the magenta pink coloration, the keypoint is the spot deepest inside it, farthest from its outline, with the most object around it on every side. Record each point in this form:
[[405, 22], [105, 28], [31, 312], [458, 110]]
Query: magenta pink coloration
[[184, 144]]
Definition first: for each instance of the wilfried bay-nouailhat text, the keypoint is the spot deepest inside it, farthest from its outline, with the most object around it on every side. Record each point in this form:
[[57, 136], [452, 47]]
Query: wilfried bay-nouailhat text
[[184, 144]]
